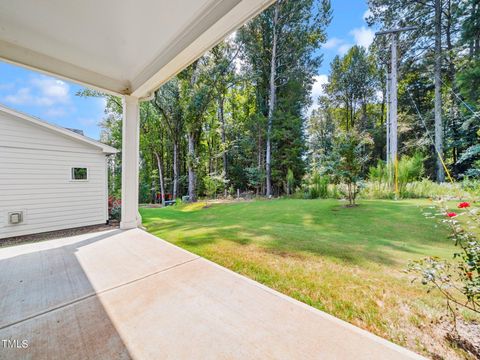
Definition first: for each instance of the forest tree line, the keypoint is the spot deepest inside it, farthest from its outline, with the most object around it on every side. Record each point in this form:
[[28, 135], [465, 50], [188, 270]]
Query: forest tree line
[[355, 96], [237, 117]]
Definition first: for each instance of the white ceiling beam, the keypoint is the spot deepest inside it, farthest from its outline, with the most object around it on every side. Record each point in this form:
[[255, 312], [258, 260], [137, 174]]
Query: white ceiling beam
[[213, 27], [217, 21], [51, 66]]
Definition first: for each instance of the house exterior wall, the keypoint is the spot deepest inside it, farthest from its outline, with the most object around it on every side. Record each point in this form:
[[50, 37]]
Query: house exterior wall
[[35, 177]]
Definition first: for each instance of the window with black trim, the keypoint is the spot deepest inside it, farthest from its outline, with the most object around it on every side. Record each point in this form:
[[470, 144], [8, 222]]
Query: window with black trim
[[79, 173]]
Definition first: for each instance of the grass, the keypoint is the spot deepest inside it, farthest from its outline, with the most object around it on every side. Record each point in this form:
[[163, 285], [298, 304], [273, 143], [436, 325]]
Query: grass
[[345, 261]]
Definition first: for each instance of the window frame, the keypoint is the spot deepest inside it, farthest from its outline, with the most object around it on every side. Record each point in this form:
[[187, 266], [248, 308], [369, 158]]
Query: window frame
[[72, 179]]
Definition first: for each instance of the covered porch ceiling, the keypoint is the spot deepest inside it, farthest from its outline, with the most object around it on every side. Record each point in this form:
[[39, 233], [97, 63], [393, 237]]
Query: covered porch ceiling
[[119, 47]]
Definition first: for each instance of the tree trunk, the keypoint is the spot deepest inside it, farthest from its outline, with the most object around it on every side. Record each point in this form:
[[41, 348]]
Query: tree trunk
[[211, 158], [352, 116], [160, 177], [221, 118], [454, 110], [192, 193], [438, 94], [271, 104], [384, 96], [259, 158], [175, 168], [347, 114]]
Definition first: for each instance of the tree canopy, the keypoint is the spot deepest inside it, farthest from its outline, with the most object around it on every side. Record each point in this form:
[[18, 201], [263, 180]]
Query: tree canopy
[[237, 119]]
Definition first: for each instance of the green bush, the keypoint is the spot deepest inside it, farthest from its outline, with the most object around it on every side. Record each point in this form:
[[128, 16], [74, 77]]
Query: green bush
[[410, 169], [316, 186], [381, 177], [334, 192], [472, 186], [116, 212], [378, 173], [424, 188], [290, 181], [380, 184], [346, 162]]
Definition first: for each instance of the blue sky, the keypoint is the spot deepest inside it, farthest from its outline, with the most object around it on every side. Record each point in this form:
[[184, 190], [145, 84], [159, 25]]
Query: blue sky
[[49, 99], [55, 101], [348, 28]]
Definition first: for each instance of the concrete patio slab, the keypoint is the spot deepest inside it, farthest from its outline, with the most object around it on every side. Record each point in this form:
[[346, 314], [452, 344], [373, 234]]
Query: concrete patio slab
[[128, 294]]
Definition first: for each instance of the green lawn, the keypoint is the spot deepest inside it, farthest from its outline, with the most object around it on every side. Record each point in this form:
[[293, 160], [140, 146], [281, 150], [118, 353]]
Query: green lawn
[[345, 261]]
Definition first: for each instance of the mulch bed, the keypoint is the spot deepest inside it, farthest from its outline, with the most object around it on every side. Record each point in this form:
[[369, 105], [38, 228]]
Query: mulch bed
[[25, 239]]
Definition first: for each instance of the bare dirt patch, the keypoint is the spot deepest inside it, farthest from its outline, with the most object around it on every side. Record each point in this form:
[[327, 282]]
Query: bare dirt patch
[[466, 337]]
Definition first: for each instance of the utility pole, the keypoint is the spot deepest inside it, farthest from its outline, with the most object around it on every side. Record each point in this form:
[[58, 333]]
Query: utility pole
[[438, 94], [393, 104], [388, 117], [392, 139]]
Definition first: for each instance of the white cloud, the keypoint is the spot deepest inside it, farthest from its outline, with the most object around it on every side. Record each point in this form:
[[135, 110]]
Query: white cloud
[[317, 87], [51, 91], [343, 49], [333, 43], [317, 90], [366, 14], [42, 91], [363, 36], [22, 96], [52, 96]]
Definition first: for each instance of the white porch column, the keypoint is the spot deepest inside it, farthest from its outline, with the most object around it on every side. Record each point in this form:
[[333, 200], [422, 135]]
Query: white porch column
[[130, 157]]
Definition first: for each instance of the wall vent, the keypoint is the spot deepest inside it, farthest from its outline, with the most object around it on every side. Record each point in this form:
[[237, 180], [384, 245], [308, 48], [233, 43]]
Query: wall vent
[[15, 217]]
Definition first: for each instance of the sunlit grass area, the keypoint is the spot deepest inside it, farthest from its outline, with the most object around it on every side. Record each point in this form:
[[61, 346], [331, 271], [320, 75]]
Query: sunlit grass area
[[348, 262]]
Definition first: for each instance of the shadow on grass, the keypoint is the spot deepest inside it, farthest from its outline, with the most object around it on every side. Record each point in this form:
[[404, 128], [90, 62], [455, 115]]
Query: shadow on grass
[[372, 233]]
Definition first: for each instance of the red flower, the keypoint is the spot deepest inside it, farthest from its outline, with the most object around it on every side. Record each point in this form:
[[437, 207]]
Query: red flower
[[463, 205], [451, 214]]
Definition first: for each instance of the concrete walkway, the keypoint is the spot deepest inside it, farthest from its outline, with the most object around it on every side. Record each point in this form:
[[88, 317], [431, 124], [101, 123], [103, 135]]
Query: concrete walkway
[[121, 295]]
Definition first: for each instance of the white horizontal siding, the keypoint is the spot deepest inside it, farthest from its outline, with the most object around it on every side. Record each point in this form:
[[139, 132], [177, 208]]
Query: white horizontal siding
[[35, 170], [18, 133], [57, 203]]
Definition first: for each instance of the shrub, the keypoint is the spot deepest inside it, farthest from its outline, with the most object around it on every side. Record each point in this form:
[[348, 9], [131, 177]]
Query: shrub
[[334, 192], [424, 188], [347, 160], [116, 212], [290, 181], [316, 186], [319, 185], [213, 183], [255, 176], [409, 169], [381, 177], [114, 208], [378, 173], [471, 185], [458, 281]]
